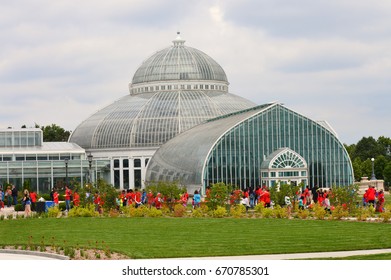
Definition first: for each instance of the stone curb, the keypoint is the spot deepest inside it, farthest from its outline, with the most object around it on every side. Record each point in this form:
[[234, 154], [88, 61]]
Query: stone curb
[[34, 253]]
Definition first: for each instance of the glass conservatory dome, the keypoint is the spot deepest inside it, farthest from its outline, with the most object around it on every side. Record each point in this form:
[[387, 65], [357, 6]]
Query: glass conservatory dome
[[172, 91], [179, 62]]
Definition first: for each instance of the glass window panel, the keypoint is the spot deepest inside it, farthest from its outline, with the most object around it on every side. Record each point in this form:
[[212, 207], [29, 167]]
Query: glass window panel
[[137, 162]]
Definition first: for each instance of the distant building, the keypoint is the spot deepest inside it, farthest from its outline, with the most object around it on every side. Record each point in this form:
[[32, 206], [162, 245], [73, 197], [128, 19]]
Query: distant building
[[25, 158]]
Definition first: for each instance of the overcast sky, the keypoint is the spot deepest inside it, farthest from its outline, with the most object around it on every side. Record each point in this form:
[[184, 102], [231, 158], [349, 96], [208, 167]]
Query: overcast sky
[[61, 61]]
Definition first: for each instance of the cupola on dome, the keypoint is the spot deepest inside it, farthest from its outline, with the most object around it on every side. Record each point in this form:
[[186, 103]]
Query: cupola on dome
[[179, 62]]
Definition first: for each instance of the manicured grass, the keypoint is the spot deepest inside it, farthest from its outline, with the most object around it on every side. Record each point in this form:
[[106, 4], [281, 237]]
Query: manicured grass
[[192, 237]]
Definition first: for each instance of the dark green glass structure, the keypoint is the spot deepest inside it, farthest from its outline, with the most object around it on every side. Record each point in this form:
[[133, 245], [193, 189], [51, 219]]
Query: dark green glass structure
[[234, 148]]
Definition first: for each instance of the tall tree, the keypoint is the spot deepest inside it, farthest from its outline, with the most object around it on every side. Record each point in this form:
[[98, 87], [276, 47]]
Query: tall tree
[[55, 133]]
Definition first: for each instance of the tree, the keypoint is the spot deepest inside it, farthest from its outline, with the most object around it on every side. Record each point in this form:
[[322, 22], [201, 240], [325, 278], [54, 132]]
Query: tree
[[367, 148], [344, 196], [387, 174], [358, 169], [218, 195], [278, 194], [54, 133]]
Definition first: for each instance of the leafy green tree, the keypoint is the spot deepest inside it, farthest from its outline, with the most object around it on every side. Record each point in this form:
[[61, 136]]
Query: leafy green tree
[[379, 165], [357, 168], [387, 174], [346, 196], [54, 133], [108, 194], [368, 148], [277, 195], [218, 195], [366, 167]]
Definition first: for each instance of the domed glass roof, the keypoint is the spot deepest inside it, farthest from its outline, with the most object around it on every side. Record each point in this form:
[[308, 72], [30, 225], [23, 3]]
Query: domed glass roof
[[179, 62], [172, 91]]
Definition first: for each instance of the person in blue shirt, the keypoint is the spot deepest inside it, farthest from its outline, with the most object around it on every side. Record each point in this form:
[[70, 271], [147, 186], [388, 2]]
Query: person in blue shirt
[[196, 199]]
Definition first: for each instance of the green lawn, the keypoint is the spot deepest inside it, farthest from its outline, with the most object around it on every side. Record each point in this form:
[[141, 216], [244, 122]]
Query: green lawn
[[190, 237]]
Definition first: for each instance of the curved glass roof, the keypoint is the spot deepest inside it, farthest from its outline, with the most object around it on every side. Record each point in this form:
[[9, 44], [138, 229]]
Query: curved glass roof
[[232, 149], [151, 119], [179, 62], [172, 91]]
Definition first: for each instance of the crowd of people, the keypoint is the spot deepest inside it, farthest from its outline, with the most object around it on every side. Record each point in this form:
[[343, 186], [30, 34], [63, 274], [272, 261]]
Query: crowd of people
[[250, 197], [305, 198]]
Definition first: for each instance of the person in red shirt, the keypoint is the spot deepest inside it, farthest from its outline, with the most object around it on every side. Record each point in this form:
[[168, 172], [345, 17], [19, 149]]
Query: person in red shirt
[[380, 202], [266, 197], [68, 194], [97, 201], [76, 199], [371, 195], [129, 197], [158, 201], [261, 197], [184, 198], [150, 198], [33, 199], [320, 197], [137, 198], [55, 198]]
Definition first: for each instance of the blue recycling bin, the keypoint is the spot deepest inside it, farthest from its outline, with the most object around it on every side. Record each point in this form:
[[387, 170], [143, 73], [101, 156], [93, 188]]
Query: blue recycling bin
[[48, 204]]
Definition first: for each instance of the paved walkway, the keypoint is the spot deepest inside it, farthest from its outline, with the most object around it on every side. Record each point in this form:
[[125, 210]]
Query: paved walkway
[[338, 254], [6, 254]]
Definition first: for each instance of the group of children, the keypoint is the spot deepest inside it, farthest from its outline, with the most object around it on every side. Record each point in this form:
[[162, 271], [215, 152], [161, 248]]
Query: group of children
[[374, 198], [138, 198]]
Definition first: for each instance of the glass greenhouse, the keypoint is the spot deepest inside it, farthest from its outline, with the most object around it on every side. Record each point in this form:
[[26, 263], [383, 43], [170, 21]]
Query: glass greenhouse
[[258, 146]]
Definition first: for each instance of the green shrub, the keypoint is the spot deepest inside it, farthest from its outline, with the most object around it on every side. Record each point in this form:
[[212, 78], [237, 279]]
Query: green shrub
[[220, 212], [19, 207], [238, 210], [153, 212], [62, 206], [339, 212], [303, 214], [319, 212], [259, 208], [179, 210], [54, 212], [197, 213], [386, 215], [140, 211], [268, 213], [87, 211], [280, 212]]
